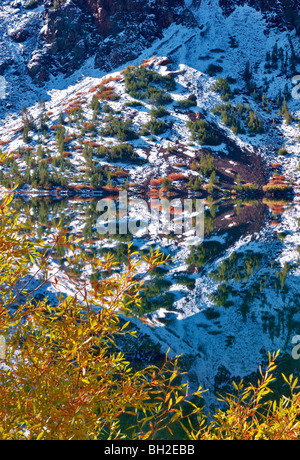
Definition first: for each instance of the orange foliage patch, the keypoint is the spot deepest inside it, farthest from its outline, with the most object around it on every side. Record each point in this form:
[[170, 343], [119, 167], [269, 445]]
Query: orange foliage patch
[[180, 165], [74, 102], [74, 108], [121, 173], [276, 207], [277, 177], [110, 79], [276, 182], [93, 89], [177, 176], [88, 125], [111, 189], [156, 182], [106, 94], [147, 62]]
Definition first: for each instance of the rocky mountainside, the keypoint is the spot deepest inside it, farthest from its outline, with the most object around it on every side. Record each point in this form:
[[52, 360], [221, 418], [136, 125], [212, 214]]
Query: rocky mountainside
[[70, 31], [57, 36], [113, 31], [280, 13]]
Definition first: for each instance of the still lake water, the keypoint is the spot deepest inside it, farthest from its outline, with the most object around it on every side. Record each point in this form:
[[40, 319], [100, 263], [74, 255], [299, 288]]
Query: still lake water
[[223, 304]]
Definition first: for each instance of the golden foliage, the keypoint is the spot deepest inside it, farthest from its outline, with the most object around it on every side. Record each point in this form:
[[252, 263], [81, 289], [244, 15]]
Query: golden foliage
[[253, 415], [63, 377]]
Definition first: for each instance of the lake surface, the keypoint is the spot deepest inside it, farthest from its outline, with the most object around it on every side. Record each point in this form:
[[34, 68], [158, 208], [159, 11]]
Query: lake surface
[[223, 304]]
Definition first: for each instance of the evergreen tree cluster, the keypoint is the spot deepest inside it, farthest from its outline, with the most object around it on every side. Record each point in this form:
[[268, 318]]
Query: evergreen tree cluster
[[239, 117], [203, 133], [145, 84], [155, 127], [284, 111], [119, 128], [222, 87], [206, 169], [281, 59]]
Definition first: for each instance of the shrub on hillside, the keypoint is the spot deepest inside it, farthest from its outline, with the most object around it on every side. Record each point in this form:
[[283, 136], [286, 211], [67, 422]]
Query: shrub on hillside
[[203, 133]]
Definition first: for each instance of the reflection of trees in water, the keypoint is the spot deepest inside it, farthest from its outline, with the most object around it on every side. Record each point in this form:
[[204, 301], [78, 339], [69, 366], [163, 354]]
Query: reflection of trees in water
[[44, 211], [239, 281], [241, 278], [249, 273], [255, 285], [201, 255], [250, 280]]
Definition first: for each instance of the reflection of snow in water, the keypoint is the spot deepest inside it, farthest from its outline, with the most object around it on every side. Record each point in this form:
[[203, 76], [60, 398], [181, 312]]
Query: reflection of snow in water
[[254, 316], [3, 85]]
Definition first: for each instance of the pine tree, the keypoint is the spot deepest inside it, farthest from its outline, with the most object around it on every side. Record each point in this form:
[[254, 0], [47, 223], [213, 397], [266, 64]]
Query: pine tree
[[27, 176], [197, 185], [213, 178], [285, 112], [166, 184], [27, 119], [40, 152], [26, 137], [247, 75], [274, 57]]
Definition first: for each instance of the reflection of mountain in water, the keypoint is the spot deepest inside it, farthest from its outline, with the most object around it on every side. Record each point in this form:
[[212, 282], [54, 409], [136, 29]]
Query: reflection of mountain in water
[[222, 304]]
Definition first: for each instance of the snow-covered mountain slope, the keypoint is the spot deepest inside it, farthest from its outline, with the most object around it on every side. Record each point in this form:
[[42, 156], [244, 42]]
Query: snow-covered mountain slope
[[220, 46], [49, 37], [44, 39]]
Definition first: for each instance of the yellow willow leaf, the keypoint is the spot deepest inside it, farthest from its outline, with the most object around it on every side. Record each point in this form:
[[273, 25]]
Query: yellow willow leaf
[[167, 397], [40, 436], [170, 431], [179, 399]]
